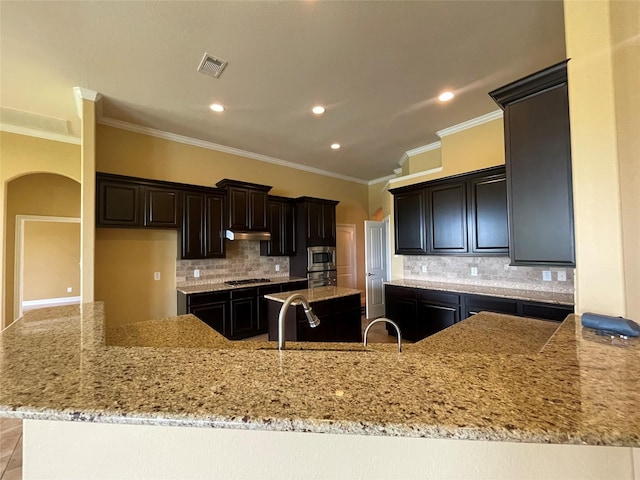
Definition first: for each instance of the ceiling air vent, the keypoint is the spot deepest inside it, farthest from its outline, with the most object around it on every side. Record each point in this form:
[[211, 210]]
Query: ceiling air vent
[[211, 65]]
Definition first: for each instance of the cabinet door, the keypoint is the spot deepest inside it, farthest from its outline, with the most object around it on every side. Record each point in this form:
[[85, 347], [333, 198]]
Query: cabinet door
[[193, 226], [448, 219], [263, 306], [215, 245], [238, 199], [432, 318], [243, 318], [118, 204], [488, 225], [328, 225], [314, 224], [257, 210], [275, 246], [288, 229], [410, 229], [401, 306], [213, 314], [297, 285], [161, 207]]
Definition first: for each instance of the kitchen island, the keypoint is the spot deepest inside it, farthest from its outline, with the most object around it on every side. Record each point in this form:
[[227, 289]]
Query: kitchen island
[[536, 397]]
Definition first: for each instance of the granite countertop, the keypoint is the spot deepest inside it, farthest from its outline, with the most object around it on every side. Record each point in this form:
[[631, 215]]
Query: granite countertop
[[220, 286], [316, 294], [490, 377], [504, 292]]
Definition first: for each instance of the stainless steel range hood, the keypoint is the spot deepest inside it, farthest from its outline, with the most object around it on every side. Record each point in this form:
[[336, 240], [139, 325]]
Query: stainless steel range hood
[[238, 235]]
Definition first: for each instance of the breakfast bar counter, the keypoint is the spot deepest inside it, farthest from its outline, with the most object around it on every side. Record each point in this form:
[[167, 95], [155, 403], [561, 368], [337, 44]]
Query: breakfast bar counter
[[491, 377]]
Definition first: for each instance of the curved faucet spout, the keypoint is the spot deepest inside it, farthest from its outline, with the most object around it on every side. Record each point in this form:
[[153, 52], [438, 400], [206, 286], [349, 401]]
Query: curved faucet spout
[[314, 321], [386, 320]]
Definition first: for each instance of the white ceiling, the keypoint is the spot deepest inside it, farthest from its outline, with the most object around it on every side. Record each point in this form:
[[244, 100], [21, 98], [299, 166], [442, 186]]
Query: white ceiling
[[376, 66]]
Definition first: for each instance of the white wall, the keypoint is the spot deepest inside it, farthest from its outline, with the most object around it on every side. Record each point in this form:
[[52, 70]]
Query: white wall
[[73, 450]]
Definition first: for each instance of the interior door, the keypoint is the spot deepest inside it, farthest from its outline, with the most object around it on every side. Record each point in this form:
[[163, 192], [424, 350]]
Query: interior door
[[376, 244], [346, 256]]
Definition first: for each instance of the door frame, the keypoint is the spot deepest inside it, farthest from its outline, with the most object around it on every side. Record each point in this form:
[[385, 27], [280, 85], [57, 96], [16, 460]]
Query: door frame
[[18, 272]]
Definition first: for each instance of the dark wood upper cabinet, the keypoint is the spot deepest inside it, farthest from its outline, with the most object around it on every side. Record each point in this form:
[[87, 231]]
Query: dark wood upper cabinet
[[162, 207], [461, 215], [488, 226], [316, 218], [203, 224], [117, 202], [538, 158], [281, 225], [410, 226], [247, 205], [447, 218]]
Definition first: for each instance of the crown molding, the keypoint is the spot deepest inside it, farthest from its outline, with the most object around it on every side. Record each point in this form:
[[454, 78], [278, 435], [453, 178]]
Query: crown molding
[[174, 137], [33, 132], [415, 175], [474, 122], [403, 159], [81, 93], [424, 148], [381, 179]]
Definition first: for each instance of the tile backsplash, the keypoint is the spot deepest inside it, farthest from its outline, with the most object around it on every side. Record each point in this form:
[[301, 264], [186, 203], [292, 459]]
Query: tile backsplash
[[243, 260], [492, 271]]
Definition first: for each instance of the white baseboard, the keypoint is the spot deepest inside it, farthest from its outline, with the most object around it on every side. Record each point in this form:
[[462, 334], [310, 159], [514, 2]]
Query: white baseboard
[[49, 302]]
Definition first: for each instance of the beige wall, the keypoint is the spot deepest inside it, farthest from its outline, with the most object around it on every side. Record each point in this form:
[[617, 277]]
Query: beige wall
[[126, 260], [36, 194], [425, 161], [126, 153], [19, 155], [600, 272], [625, 35], [51, 260]]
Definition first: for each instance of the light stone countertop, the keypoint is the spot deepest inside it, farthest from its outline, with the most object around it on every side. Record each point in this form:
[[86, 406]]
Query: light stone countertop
[[490, 377], [317, 294], [220, 286], [503, 292]]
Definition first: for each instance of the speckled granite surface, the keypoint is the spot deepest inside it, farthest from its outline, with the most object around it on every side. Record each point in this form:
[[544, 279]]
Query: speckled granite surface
[[221, 286], [316, 294], [533, 295], [491, 377]]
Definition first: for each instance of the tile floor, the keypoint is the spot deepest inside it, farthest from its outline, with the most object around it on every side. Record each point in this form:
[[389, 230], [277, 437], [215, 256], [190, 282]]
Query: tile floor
[[10, 449], [11, 429]]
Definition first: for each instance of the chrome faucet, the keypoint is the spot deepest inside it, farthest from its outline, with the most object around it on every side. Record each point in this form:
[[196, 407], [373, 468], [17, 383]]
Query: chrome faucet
[[314, 321], [386, 320]]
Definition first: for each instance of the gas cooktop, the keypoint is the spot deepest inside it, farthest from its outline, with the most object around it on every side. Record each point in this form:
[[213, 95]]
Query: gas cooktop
[[246, 281]]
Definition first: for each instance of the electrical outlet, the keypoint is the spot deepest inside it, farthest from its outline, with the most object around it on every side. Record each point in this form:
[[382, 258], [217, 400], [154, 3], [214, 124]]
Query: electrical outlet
[[474, 271], [196, 273], [424, 269], [562, 276], [546, 275], [69, 289], [156, 275]]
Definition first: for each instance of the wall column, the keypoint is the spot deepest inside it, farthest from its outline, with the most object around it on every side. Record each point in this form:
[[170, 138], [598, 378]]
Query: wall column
[[86, 101], [599, 280]]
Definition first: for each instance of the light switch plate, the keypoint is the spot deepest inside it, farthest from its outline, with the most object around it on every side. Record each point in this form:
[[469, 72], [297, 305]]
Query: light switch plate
[[277, 267], [562, 276], [474, 271], [156, 275], [69, 289], [424, 269], [546, 275], [196, 273]]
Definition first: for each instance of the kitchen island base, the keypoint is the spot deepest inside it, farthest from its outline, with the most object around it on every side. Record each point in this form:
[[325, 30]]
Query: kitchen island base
[[80, 450]]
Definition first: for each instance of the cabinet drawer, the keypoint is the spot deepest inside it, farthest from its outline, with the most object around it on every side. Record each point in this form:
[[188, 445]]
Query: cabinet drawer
[[546, 311], [400, 292], [297, 285], [438, 297], [244, 293], [207, 297], [479, 303]]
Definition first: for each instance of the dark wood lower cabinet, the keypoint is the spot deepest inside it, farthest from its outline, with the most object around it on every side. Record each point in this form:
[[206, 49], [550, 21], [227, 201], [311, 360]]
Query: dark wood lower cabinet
[[420, 312], [339, 321], [235, 313]]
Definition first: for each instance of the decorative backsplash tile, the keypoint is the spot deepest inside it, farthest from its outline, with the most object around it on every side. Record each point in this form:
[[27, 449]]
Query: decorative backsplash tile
[[492, 271], [243, 261]]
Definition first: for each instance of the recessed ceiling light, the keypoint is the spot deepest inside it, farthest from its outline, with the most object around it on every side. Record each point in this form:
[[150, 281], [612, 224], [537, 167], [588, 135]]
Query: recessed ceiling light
[[335, 146], [318, 109], [216, 107], [445, 96]]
